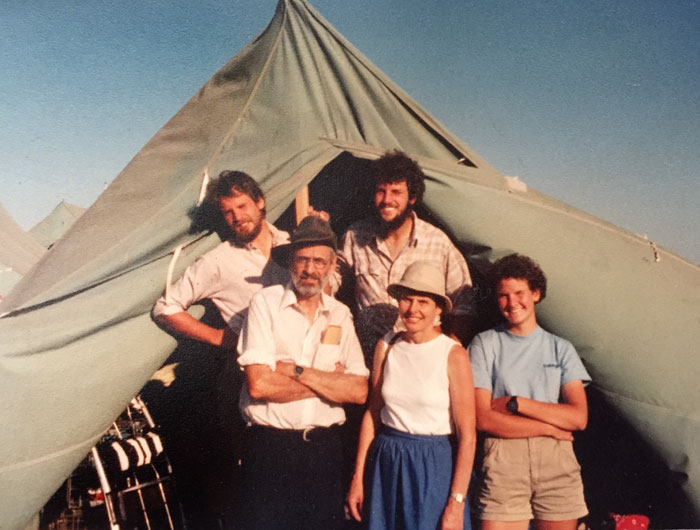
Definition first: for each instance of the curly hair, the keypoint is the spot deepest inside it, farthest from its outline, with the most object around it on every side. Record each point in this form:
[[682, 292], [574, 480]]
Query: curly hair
[[396, 166], [522, 268], [229, 182]]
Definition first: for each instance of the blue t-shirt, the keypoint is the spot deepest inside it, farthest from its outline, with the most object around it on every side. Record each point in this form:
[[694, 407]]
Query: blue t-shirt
[[534, 366]]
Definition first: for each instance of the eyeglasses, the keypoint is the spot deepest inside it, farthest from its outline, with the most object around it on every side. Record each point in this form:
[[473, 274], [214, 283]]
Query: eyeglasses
[[303, 261]]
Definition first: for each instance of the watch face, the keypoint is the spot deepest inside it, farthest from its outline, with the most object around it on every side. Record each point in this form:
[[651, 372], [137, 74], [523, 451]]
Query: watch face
[[512, 405], [298, 370]]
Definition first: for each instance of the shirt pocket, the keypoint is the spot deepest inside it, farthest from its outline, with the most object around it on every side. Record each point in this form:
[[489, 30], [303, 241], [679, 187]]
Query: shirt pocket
[[370, 278]]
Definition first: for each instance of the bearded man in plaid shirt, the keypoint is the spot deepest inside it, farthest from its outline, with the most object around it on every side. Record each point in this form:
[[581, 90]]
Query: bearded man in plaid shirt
[[377, 250]]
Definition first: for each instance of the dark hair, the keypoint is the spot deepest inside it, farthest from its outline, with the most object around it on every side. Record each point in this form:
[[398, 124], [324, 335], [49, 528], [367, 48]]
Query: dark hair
[[522, 268], [396, 166], [230, 182], [403, 291]]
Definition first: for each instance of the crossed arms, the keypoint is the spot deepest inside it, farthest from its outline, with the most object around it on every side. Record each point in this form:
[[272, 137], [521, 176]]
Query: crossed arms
[[280, 385], [535, 418]]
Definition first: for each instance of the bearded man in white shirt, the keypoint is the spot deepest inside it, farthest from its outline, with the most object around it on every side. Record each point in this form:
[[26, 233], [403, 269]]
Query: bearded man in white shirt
[[206, 426], [231, 273], [302, 361]]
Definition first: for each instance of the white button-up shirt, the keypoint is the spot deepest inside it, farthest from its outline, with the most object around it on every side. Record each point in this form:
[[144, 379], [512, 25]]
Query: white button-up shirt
[[277, 329], [229, 275]]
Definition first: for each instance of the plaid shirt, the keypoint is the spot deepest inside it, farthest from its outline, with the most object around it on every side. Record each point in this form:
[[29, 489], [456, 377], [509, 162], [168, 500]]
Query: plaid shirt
[[366, 257]]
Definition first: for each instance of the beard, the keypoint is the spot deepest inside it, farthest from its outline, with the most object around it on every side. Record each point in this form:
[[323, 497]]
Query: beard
[[387, 227], [307, 291], [246, 237]]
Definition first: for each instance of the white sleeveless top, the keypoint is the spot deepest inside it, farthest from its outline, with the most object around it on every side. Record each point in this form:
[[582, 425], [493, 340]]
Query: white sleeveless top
[[416, 388]]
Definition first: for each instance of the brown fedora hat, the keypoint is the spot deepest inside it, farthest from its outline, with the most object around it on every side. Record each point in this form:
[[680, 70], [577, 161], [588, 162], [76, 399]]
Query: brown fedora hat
[[312, 231]]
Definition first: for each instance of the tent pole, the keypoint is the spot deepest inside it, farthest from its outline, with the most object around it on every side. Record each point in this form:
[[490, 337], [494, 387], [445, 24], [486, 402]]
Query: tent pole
[[301, 202]]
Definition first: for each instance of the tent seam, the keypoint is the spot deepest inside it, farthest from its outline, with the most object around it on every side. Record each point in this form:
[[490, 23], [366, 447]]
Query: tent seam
[[414, 107], [602, 224], [258, 82]]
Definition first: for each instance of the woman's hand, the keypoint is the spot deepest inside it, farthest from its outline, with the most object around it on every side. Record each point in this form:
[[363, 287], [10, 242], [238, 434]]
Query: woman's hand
[[355, 498], [499, 404], [561, 434], [453, 516]]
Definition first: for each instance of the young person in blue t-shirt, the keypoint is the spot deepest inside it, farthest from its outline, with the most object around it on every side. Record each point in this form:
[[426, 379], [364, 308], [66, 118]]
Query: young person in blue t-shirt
[[530, 398]]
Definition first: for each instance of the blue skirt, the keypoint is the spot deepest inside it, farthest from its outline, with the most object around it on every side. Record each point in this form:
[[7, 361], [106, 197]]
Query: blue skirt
[[407, 481]]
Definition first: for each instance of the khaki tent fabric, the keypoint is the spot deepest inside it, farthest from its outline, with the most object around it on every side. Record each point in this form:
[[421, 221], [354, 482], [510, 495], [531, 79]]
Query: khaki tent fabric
[[17, 248], [18, 252], [78, 341], [57, 223]]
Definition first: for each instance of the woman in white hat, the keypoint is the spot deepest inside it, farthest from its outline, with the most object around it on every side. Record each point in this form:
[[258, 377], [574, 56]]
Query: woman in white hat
[[409, 473]]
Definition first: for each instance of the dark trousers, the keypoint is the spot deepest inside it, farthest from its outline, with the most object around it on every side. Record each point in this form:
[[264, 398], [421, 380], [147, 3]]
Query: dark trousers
[[292, 481]]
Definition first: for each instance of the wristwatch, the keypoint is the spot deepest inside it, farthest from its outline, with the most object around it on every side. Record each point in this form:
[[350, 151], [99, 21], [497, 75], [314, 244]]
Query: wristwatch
[[512, 405], [458, 497], [298, 370]]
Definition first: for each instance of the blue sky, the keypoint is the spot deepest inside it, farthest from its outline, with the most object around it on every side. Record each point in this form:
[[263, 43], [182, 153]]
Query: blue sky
[[595, 103]]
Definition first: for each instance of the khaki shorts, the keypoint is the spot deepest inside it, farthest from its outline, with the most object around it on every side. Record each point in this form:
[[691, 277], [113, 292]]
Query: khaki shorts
[[528, 478]]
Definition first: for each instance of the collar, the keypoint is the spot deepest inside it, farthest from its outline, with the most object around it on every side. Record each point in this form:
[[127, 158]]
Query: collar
[[289, 298], [516, 336], [279, 237]]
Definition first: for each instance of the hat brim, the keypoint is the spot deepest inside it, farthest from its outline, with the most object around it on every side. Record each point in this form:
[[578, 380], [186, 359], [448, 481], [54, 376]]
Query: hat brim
[[396, 289], [282, 253]]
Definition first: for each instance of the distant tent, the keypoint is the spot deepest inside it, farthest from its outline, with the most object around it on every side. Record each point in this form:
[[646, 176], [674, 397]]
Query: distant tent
[[18, 252], [297, 103], [57, 223]]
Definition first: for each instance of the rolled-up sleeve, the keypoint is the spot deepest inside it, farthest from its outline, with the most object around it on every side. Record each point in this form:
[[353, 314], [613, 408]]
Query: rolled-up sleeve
[[256, 344], [189, 289]]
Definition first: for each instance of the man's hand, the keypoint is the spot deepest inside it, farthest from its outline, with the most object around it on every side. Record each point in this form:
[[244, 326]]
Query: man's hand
[[276, 386], [336, 386], [285, 368], [321, 214]]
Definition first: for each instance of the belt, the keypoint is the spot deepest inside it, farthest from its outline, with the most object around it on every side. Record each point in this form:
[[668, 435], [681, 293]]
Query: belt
[[308, 435]]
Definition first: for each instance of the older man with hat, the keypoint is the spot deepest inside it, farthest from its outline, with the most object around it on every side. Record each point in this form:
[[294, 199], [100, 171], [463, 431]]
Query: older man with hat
[[302, 362]]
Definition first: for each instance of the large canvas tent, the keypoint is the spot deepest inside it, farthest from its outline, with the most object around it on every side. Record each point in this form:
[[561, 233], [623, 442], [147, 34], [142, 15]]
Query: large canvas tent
[[56, 223], [18, 252], [77, 338]]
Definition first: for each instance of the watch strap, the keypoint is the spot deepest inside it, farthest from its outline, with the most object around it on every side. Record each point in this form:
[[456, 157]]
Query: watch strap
[[457, 496], [512, 405]]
